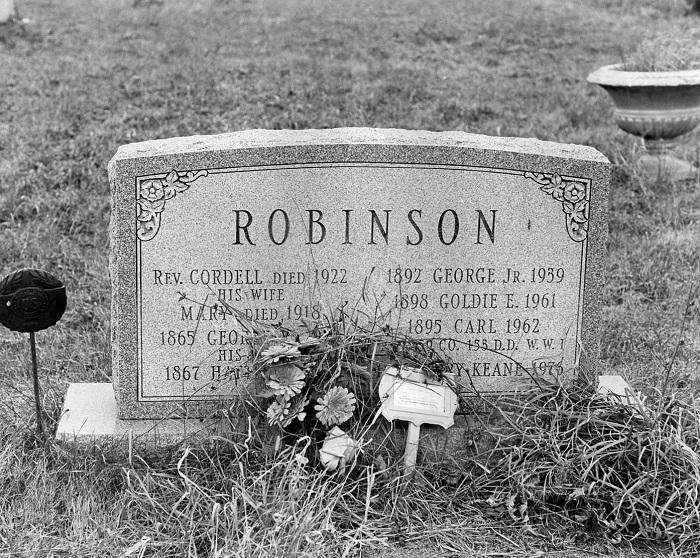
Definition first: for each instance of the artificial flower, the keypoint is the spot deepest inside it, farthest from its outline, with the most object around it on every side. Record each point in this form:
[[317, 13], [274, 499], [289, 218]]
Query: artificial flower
[[276, 352], [299, 410], [278, 412], [336, 406], [337, 449], [286, 380], [306, 340]]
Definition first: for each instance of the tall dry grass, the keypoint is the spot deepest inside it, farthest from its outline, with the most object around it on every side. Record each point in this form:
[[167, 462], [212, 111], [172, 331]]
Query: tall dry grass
[[627, 467]]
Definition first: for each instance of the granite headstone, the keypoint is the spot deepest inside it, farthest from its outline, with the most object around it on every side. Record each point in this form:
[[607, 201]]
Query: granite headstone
[[491, 247]]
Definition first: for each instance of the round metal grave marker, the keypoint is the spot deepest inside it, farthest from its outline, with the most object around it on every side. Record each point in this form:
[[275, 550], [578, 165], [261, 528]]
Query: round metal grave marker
[[32, 300]]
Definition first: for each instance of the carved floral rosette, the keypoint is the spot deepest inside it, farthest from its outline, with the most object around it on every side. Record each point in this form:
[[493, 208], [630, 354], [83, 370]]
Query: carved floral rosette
[[152, 195], [573, 195]]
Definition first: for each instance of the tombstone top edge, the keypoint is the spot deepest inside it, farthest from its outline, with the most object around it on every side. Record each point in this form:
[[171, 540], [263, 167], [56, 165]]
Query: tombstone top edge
[[252, 139]]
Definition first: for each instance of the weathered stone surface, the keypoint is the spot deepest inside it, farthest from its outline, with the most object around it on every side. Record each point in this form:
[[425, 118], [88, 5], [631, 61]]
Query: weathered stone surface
[[491, 246]]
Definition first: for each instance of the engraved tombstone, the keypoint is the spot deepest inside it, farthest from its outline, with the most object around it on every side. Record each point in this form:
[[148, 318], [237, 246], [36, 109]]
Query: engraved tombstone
[[490, 247]]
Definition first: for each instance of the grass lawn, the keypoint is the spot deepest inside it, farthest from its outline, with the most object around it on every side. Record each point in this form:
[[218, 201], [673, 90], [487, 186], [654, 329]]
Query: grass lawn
[[78, 78]]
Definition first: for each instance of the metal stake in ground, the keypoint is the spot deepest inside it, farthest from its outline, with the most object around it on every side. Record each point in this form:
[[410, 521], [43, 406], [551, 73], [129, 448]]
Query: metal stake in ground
[[32, 300]]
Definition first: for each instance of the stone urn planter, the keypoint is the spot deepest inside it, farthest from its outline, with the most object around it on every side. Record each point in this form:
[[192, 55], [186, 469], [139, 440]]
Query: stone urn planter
[[657, 106]]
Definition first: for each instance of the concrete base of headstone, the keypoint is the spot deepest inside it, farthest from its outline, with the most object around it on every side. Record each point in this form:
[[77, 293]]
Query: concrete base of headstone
[[615, 386], [90, 416]]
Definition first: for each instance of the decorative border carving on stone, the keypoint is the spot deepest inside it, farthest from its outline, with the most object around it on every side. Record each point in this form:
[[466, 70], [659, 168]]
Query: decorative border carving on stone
[[573, 195], [153, 191]]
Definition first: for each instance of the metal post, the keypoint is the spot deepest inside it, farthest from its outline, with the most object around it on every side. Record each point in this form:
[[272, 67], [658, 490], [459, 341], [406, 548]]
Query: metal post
[[411, 451], [37, 396]]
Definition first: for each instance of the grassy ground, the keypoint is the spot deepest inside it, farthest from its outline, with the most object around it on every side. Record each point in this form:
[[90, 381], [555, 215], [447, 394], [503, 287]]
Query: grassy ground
[[81, 77]]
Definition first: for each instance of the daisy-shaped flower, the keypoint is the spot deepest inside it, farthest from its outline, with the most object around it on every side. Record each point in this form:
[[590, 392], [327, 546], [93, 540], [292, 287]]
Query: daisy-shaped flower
[[336, 406], [278, 412], [286, 380], [276, 352], [312, 343]]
